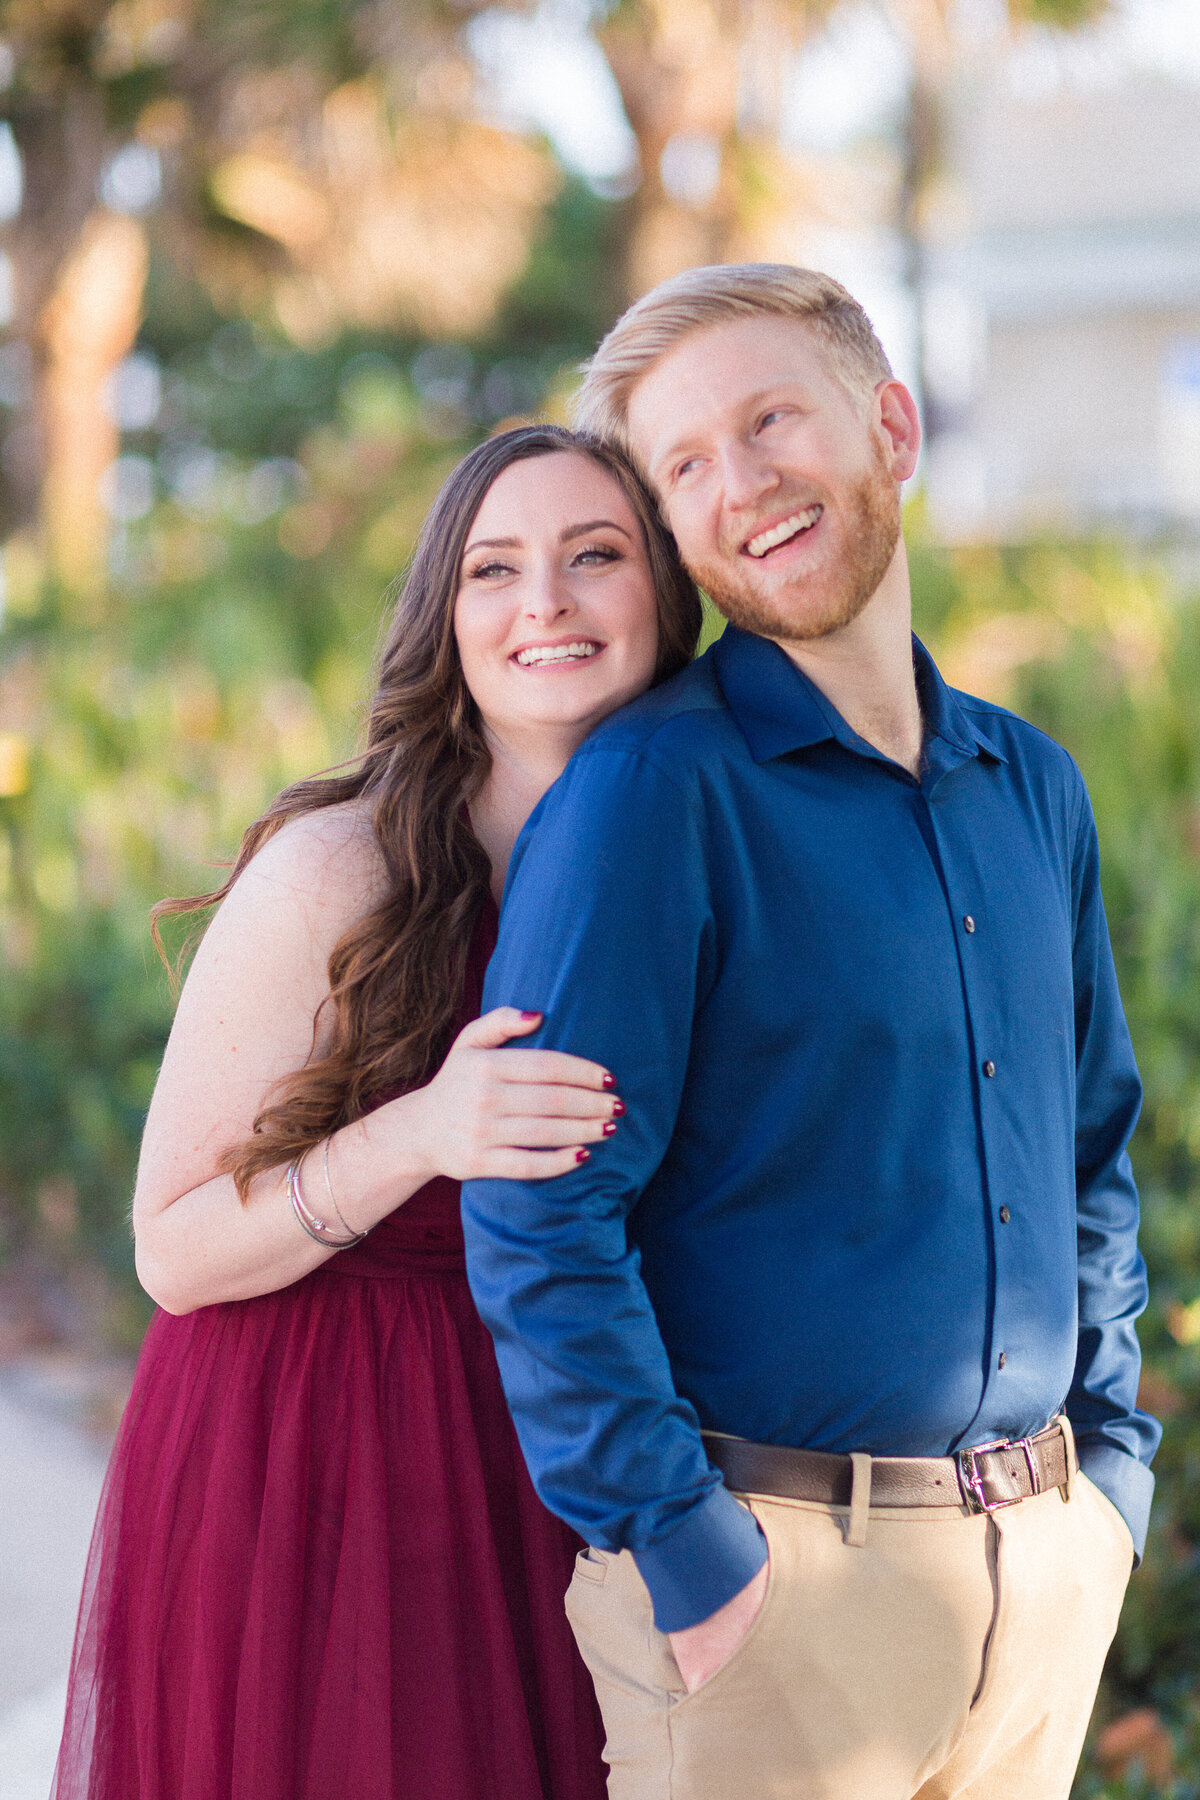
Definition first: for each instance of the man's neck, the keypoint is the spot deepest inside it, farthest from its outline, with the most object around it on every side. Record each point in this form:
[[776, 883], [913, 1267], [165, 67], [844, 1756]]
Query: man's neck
[[866, 670]]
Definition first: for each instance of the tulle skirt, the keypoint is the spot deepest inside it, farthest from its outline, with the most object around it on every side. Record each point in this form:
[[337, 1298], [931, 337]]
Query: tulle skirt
[[319, 1569]]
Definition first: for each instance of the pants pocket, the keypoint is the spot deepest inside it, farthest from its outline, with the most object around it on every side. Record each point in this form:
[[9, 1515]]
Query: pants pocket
[[1108, 1513], [591, 1566], [633, 1671], [729, 1668]]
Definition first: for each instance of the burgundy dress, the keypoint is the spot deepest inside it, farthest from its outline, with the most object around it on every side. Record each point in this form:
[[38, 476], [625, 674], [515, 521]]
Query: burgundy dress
[[319, 1570]]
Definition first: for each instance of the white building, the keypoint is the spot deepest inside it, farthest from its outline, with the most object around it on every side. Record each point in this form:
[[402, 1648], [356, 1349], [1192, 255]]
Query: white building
[[1063, 312]]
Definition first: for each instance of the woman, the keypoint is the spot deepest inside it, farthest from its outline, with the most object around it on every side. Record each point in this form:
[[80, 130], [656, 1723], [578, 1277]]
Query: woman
[[319, 1569]]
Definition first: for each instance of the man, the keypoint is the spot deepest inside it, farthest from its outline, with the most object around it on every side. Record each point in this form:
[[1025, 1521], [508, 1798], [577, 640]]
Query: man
[[868, 1223]]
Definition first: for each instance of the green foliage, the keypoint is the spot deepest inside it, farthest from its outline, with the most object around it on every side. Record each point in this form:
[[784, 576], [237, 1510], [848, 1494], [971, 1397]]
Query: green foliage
[[1067, 15]]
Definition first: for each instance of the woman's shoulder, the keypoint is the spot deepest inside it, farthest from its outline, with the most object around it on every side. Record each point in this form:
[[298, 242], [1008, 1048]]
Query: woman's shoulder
[[329, 857], [313, 878]]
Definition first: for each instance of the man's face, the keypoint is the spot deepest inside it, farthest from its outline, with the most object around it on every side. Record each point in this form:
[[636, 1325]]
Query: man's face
[[781, 487]]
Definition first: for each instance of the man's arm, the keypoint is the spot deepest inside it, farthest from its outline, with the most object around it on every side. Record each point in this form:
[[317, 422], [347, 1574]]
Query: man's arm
[[607, 930], [1116, 1441]]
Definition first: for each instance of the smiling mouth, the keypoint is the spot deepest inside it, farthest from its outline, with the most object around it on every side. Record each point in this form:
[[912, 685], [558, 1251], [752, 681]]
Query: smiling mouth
[[784, 532], [542, 656]]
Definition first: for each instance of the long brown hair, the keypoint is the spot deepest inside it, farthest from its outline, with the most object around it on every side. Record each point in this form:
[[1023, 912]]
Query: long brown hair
[[396, 976]]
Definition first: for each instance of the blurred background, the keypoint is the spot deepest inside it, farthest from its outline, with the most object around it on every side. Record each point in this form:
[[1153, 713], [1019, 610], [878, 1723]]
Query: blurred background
[[267, 269]]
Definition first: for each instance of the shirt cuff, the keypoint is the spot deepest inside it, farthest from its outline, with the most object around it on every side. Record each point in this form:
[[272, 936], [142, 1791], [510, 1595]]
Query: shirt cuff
[[708, 1558], [1125, 1481]]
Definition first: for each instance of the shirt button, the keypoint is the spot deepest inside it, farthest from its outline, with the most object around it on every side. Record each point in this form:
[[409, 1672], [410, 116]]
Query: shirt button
[[1003, 1358], [1005, 1215], [968, 922], [989, 1068]]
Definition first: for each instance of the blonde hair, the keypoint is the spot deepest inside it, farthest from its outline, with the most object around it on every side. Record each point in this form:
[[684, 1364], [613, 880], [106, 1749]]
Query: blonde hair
[[713, 296]]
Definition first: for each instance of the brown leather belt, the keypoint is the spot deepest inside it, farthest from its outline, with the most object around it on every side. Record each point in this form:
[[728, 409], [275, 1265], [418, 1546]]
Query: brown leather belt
[[984, 1478]]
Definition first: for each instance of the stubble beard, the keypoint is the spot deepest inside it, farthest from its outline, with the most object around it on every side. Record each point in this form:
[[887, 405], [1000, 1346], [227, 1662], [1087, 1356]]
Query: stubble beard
[[817, 605]]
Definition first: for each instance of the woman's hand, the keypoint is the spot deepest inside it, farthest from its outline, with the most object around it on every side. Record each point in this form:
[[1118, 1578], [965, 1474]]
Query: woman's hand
[[520, 1115]]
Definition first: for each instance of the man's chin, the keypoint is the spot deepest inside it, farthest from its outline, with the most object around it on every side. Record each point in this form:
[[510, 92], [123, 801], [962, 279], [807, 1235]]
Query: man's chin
[[791, 617], [829, 597]]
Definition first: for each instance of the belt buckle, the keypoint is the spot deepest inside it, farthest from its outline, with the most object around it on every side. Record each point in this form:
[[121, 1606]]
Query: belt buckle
[[972, 1481]]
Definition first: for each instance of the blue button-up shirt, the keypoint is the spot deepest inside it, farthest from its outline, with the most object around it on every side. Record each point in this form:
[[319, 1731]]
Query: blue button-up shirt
[[872, 1191]]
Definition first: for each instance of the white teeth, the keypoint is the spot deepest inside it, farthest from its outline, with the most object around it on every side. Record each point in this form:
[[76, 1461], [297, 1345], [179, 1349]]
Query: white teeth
[[779, 534], [555, 653]]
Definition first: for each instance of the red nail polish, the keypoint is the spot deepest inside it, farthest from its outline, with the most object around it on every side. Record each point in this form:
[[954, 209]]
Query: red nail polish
[[531, 1015], [618, 1111], [609, 1129], [583, 1156], [610, 1081]]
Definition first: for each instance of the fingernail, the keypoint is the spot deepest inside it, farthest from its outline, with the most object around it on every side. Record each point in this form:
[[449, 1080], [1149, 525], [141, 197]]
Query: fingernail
[[583, 1156], [610, 1081], [609, 1129], [531, 1015], [618, 1110]]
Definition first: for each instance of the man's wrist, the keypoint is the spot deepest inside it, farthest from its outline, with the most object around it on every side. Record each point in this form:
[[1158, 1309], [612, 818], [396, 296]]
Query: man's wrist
[[714, 1551]]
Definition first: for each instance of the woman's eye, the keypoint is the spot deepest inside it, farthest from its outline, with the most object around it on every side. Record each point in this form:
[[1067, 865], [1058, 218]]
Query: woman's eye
[[771, 418], [485, 571], [597, 553]]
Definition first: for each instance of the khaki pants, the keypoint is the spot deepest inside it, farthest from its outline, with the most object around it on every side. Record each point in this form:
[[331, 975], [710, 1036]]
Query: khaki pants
[[949, 1657]]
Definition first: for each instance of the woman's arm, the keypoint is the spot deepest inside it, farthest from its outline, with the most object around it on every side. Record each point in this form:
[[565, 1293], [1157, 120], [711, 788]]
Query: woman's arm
[[245, 1020]]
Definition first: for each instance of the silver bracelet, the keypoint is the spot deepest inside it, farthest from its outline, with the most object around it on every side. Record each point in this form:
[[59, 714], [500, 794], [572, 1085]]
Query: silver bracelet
[[329, 1190], [316, 1228]]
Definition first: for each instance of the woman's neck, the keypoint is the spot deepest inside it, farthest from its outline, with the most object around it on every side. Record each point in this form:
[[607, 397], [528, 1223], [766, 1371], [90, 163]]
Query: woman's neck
[[520, 774]]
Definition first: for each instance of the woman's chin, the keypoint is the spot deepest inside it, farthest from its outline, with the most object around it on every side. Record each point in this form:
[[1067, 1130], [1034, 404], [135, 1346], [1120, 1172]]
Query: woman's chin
[[573, 712]]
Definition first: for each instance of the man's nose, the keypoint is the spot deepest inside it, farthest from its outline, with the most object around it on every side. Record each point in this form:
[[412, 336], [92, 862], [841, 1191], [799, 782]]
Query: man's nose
[[747, 476]]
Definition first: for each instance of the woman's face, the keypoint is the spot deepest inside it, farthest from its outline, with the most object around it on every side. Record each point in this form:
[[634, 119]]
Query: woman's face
[[555, 618]]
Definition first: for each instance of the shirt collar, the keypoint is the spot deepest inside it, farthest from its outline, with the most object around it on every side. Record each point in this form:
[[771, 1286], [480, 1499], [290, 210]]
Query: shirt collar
[[944, 717], [778, 709]]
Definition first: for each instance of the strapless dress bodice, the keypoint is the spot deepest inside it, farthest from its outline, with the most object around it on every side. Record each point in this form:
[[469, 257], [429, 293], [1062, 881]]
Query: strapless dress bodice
[[422, 1237]]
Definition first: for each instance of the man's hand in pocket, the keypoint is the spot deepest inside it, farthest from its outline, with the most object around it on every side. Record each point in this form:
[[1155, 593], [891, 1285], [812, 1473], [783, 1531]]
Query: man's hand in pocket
[[704, 1648]]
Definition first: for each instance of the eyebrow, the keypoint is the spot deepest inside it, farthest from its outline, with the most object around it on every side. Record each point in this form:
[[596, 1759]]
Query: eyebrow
[[749, 401], [574, 531], [565, 537]]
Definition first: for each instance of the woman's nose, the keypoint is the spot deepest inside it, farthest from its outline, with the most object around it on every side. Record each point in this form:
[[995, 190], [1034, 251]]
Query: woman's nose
[[547, 598]]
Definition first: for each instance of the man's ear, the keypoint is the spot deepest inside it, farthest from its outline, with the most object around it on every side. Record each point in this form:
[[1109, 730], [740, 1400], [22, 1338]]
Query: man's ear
[[899, 424]]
